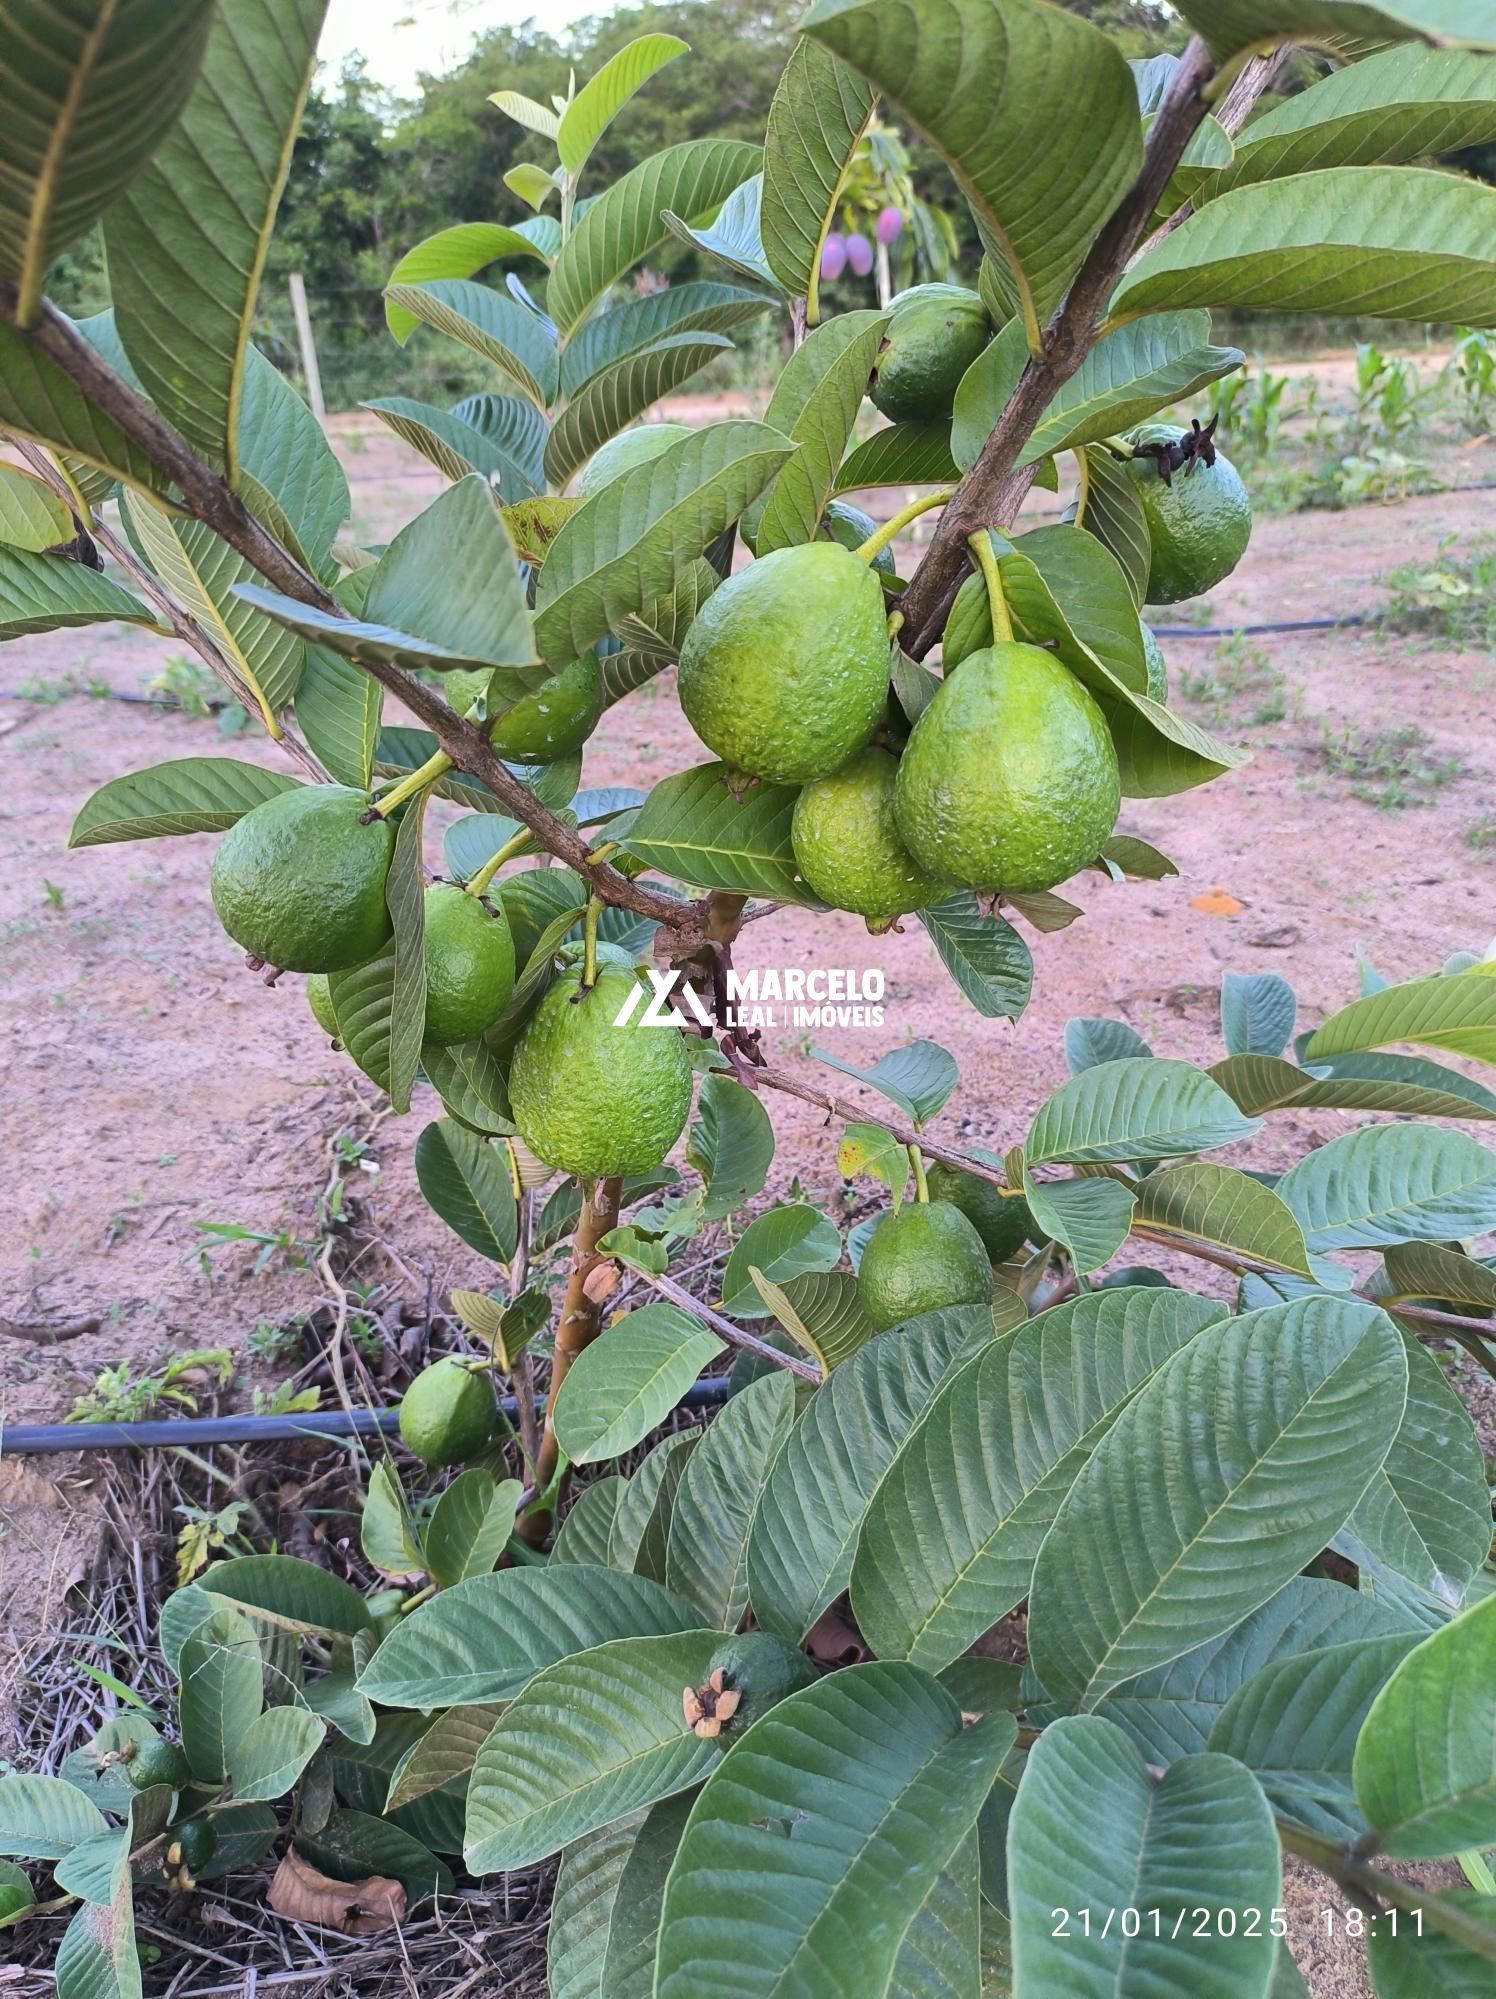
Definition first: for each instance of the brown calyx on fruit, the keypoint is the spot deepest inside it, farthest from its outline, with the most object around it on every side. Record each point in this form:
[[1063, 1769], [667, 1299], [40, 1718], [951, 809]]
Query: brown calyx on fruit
[[708, 1706]]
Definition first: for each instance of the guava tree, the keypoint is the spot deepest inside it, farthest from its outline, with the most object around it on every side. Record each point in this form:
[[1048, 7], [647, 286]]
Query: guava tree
[[1252, 1539]]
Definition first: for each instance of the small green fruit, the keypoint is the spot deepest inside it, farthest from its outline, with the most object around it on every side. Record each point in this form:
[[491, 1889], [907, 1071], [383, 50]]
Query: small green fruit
[[1009, 780], [847, 843], [622, 453], [469, 964], [1198, 525], [1004, 1224], [934, 335], [192, 1844], [319, 999], [784, 671], [556, 719], [744, 1679], [925, 1257], [156, 1762], [448, 1413], [299, 882], [593, 1097], [849, 525]]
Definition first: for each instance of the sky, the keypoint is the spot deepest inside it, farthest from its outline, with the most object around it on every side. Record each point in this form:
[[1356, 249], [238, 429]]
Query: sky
[[399, 38]]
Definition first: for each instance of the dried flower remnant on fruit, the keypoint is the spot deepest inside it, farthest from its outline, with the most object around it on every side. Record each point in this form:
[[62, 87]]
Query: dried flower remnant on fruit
[[708, 1706]]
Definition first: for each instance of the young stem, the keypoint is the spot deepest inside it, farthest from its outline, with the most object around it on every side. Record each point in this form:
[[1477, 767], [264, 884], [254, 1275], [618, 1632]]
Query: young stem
[[434, 767], [479, 882], [589, 943], [921, 1184], [879, 540], [986, 560], [581, 1322], [1369, 1884]]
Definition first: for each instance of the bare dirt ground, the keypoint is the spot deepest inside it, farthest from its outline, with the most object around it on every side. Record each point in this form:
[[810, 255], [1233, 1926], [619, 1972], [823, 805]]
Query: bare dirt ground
[[152, 1085]]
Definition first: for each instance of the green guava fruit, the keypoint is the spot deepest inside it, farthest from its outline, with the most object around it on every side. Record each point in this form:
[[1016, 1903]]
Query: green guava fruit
[[1198, 525], [784, 671], [926, 1256], [192, 1844], [1158, 671], [847, 845], [761, 1670], [469, 964], [299, 882], [319, 999], [622, 453], [1004, 1224], [556, 719], [592, 1097], [448, 1413], [1009, 780], [157, 1762], [934, 334]]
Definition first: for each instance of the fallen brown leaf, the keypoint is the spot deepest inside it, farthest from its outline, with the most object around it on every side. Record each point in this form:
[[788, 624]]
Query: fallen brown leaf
[[303, 1894]]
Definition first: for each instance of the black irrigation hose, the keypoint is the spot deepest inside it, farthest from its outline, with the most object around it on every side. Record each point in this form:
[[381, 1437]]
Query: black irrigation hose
[[33, 1439], [1251, 631]]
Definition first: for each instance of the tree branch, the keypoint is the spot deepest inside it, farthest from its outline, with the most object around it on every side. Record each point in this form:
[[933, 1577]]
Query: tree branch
[[990, 493], [1365, 1884], [735, 1336], [1465, 1330], [209, 499]]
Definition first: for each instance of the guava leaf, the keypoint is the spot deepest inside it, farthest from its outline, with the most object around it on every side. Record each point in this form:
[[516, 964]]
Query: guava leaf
[[782, 1242], [919, 1078], [693, 828], [613, 397], [805, 1528], [42, 1818], [466, 1181], [732, 235], [37, 400], [48, 593], [461, 252], [588, 1883], [1392, 1183], [818, 116], [589, 1740], [1388, 242], [1406, 104], [1089, 1041], [879, 1754], [731, 1145], [209, 579], [624, 224], [93, 94], [1425, 1761], [1201, 1836], [693, 307], [1257, 1013], [187, 240], [984, 955], [1136, 1109], [470, 1526], [821, 1310], [1181, 1522], [628, 545], [706, 1552], [815, 404], [1229, 26], [1111, 509], [1202, 1201], [949, 1540], [604, 95], [998, 139], [188, 795], [455, 448], [623, 1386], [901, 454], [1456, 1014], [481, 1641], [496, 328]]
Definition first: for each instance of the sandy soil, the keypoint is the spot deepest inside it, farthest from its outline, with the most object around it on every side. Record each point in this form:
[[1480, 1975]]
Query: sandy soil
[[152, 1085]]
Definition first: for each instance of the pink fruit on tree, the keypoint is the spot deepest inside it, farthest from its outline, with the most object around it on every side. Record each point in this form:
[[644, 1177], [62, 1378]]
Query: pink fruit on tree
[[889, 226], [833, 257], [859, 255]]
